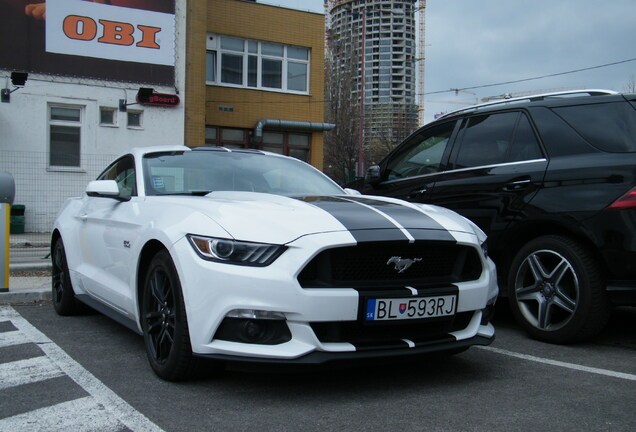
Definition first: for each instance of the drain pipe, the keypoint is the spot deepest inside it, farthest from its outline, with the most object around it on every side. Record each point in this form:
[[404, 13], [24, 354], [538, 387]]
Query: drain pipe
[[288, 124]]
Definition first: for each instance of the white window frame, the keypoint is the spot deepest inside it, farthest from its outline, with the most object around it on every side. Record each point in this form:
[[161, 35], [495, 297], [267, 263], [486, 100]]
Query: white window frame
[[78, 124], [214, 45]]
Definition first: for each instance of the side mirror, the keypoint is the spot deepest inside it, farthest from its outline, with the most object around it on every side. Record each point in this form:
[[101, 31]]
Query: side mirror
[[350, 191], [373, 175], [105, 189]]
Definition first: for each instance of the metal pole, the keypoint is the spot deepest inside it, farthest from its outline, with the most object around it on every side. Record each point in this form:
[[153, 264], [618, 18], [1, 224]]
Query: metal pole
[[7, 193], [362, 86], [4, 246]]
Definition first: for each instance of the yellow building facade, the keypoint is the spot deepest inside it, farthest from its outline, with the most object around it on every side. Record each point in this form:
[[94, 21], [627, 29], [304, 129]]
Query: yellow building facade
[[255, 78]]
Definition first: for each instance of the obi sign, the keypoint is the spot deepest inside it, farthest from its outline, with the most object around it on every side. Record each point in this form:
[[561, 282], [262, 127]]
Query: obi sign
[[97, 30]]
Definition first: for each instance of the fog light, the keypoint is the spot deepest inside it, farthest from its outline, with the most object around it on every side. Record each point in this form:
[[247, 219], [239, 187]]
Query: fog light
[[254, 331]]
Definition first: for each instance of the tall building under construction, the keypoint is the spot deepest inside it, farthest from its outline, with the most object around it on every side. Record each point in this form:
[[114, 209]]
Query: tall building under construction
[[387, 69]]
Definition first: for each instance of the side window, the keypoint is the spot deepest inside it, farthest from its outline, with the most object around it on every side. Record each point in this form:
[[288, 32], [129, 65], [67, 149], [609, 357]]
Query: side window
[[123, 172], [422, 155], [525, 145], [610, 127], [486, 140]]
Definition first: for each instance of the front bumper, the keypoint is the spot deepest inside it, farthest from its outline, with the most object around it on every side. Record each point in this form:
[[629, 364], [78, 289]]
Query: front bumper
[[212, 291], [321, 357]]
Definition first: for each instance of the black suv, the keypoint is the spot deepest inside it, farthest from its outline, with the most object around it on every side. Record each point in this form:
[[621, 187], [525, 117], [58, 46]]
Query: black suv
[[551, 179]]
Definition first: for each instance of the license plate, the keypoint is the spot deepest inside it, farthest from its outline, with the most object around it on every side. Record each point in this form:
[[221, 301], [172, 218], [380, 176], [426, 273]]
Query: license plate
[[410, 308]]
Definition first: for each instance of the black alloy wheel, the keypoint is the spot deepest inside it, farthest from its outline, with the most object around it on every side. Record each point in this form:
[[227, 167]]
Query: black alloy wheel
[[62, 295], [164, 321], [556, 291]]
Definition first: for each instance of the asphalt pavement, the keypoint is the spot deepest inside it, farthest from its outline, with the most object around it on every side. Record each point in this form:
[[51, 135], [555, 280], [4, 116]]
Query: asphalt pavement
[[29, 269]]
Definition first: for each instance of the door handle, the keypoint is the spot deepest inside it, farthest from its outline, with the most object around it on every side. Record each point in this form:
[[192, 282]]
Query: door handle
[[517, 185], [84, 217], [416, 193]]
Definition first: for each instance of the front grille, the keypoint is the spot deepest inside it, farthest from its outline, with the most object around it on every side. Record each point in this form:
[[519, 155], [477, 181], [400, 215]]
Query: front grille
[[367, 265], [390, 333]]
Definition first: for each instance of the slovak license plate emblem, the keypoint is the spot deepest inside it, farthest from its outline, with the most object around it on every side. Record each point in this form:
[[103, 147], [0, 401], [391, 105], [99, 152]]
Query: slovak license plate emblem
[[410, 308]]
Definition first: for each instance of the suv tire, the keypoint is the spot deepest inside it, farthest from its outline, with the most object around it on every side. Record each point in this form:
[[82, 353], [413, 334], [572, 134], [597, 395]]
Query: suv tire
[[556, 290]]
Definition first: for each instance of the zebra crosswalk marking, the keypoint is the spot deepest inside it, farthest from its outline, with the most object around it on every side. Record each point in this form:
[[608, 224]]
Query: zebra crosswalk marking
[[101, 410]]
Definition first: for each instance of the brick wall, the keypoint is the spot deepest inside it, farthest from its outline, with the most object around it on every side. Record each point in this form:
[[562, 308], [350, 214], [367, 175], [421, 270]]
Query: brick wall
[[260, 22]]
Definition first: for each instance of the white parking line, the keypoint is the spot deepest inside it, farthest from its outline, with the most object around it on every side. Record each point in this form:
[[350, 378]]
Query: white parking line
[[21, 372], [83, 414], [11, 338], [573, 366], [102, 398]]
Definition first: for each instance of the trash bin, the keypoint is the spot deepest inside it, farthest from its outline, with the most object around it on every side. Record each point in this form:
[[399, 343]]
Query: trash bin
[[17, 219]]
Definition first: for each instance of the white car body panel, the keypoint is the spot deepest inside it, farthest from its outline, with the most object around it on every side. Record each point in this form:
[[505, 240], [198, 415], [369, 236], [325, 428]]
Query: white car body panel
[[104, 239]]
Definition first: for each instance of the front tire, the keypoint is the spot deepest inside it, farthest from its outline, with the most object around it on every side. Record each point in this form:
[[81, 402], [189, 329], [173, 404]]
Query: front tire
[[556, 291], [164, 321], [62, 295]]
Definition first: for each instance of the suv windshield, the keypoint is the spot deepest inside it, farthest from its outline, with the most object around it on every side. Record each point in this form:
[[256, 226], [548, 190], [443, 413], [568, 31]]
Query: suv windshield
[[201, 172]]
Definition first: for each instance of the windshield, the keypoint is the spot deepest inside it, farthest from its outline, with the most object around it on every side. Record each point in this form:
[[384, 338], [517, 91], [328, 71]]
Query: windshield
[[201, 172]]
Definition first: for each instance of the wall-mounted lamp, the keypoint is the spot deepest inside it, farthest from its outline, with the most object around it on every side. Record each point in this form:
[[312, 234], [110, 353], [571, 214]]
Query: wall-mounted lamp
[[18, 79], [142, 94]]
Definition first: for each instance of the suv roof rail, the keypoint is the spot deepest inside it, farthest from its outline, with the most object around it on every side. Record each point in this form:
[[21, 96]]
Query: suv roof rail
[[538, 96]]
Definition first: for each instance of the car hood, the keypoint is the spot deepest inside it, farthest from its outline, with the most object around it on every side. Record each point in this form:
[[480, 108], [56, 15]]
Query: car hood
[[276, 219]]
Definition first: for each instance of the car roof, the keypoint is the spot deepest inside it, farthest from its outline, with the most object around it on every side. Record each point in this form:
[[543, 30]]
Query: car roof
[[140, 152], [558, 97]]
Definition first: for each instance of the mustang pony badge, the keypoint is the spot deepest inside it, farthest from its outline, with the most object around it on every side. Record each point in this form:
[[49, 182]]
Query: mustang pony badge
[[402, 265]]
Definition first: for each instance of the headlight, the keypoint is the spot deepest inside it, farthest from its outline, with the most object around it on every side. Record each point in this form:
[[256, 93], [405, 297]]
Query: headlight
[[484, 248], [235, 252]]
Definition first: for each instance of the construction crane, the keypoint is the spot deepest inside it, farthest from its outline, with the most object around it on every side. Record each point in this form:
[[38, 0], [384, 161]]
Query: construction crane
[[421, 57]]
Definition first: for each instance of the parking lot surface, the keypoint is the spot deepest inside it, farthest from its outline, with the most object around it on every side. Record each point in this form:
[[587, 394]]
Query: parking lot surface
[[98, 375]]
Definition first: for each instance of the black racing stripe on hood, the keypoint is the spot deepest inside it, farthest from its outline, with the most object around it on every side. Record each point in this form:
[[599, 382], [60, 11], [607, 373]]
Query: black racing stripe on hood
[[415, 222], [363, 223]]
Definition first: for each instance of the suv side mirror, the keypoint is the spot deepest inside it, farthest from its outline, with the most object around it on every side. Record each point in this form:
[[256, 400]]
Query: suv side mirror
[[373, 175], [105, 189]]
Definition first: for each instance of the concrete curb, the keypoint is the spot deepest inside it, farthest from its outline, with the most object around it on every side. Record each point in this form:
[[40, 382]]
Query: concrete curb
[[25, 296], [30, 266]]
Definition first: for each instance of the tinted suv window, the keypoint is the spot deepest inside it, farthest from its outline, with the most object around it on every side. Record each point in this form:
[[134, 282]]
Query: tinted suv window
[[497, 138], [422, 155], [525, 145], [486, 140], [609, 127]]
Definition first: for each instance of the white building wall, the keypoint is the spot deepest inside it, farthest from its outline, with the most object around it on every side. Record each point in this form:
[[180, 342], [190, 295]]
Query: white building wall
[[24, 132]]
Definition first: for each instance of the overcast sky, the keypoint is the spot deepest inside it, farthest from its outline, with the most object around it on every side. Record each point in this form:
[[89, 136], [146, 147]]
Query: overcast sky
[[474, 43]]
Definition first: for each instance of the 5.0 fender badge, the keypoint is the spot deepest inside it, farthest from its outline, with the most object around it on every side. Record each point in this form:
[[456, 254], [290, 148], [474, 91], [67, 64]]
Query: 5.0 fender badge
[[126, 244], [402, 264]]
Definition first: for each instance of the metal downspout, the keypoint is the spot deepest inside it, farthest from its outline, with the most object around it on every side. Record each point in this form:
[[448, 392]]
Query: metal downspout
[[288, 124]]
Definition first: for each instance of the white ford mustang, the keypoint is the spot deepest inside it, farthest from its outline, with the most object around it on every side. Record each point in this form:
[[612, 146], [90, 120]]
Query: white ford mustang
[[246, 255]]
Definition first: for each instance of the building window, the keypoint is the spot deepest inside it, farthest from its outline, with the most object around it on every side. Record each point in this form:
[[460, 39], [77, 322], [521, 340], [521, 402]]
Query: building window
[[211, 134], [134, 119], [107, 116], [226, 137], [286, 143], [210, 66], [237, 62], [65, 133], [298, 146]]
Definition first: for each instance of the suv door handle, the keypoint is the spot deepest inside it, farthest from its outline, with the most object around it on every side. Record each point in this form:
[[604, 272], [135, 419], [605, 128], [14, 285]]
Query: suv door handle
[[517, 185], [416, 193]]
